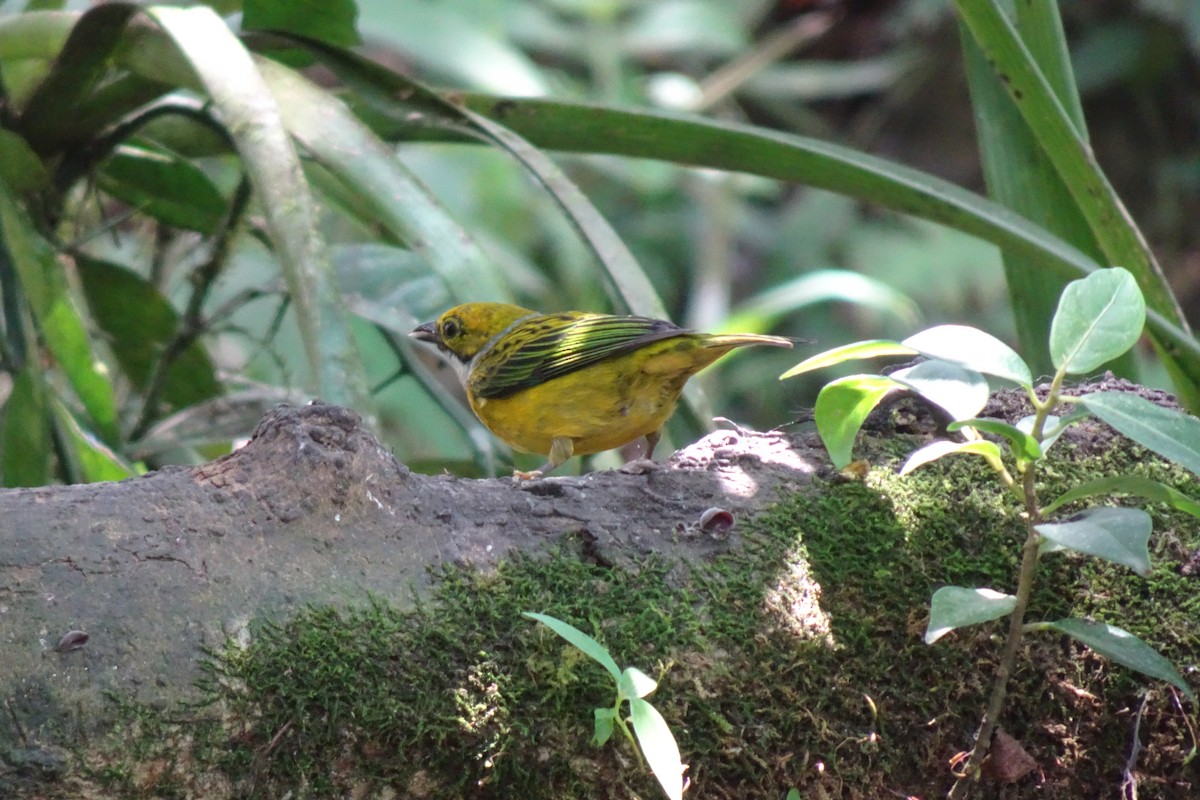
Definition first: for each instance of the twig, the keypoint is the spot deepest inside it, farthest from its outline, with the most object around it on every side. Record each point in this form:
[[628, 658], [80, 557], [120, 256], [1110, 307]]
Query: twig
[[1129, 783]]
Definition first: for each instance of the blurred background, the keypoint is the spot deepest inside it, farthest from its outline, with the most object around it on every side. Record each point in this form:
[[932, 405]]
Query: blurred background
[[884, 76]]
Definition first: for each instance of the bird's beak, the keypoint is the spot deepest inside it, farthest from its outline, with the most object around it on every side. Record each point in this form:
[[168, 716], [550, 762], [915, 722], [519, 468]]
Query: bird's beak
[[426, 332]]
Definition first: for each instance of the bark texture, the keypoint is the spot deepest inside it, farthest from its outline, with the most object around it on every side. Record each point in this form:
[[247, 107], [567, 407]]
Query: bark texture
[[120, 587]]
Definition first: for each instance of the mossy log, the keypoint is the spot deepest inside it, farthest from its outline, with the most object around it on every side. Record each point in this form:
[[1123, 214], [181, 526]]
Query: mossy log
[[335, 607]]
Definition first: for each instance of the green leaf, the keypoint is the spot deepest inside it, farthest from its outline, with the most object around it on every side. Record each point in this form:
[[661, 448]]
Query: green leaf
[[961, 392], [658, 745], [972, 348], [164, 186], [56, 316], [20, 167], [1172, 434], [635, 683], [957, 607], [841, 407], [586, 644], [1124, 648], [25, 432], [140, 323], [1023, 445], [935, 450], [1136, 485], [1120, 535], [603, 728], [1099, 318], [872, 348], [331, 21], [91, 460], [1052, 428]]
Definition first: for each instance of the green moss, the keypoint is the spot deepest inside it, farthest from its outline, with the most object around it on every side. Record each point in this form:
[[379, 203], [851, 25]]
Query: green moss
[[793, 660]]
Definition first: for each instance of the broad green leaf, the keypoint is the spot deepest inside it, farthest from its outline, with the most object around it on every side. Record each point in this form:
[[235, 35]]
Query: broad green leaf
[[873, 348], [1099, 318], [56, 317], [1120, 535], [841, 407], [1023, 445], [586, 644], [957, 607], [1124, 648], [25, 432], [961, 392], [163, 186], [635, 683], [603, 728], [972, 348], [1137, 485], [935, 450], [140, 324], [1172, 434], [658, 745]]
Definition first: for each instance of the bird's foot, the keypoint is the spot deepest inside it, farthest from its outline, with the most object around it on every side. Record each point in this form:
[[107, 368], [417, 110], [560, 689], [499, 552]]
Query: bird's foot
[[532, 475], [640, 466]]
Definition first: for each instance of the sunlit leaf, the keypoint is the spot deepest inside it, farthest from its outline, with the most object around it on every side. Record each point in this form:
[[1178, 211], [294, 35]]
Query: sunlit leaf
[[961, 392], [941, 448], [841, 407], [658, 745], [873, 348], [585, 644], [972, 348], [957, 607], [1099, 318]]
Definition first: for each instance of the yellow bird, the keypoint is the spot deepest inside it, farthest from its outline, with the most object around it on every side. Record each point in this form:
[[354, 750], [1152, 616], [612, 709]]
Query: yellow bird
[[574, 382]]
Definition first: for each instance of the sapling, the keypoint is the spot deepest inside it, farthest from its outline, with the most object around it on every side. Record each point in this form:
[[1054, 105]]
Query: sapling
[[632, 685], [1099, 318]]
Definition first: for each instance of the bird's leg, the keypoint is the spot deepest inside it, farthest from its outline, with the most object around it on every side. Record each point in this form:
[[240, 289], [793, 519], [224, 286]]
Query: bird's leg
[[561, 448], [652, 442]]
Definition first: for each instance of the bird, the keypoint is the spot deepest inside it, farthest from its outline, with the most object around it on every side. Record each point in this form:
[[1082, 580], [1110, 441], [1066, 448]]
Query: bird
[[573, 382]]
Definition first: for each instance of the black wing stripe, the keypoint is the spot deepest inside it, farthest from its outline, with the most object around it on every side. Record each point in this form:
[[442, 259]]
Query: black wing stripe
[[558, 349]]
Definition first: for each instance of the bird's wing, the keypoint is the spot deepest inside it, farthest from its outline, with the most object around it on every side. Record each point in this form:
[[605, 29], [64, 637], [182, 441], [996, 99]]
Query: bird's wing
[[552, 345]]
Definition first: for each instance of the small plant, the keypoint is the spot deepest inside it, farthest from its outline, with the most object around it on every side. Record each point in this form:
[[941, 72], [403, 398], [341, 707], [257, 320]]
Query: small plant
[[657, 743], [1098, 318]]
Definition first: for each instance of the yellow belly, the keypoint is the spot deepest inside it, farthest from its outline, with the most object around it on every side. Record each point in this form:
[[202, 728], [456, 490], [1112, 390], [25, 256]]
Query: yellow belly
[[598, 407]]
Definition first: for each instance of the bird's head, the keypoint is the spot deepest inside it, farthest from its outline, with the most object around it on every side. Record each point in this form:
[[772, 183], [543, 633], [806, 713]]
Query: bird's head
[[464, 330]]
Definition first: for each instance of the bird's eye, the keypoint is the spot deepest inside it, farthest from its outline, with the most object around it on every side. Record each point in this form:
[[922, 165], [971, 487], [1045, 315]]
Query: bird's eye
[[451, 328]]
